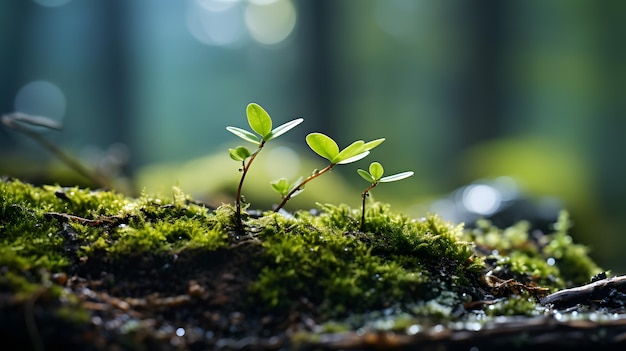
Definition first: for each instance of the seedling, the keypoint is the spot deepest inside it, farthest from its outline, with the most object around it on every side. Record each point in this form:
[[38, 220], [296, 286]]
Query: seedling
[[326, 147], [375, 176], [261, 123]]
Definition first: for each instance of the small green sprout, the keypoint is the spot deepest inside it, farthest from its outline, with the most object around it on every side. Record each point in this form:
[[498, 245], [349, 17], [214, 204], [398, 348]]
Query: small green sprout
[[261, 123], [375, 176], [326, 147], [284, 187]]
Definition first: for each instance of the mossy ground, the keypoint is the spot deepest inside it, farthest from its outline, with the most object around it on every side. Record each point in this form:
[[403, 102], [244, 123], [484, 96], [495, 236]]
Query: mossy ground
[[96, 270]]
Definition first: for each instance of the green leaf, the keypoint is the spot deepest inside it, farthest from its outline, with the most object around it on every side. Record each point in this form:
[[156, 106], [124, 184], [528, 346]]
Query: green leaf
[[349, 151], [240, 153], [281, 186], [297, 192], [244, 134], [295, 184], [372, 144], [354, 158], [365, 175], [282, 129], [356, 151], [323, 145], [376, 170], [396, 177], [259, 120]]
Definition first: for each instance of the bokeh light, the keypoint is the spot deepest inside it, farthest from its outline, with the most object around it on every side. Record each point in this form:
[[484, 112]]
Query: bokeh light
[[215, 22], [231, 22], [51, 3], [481, 199], [271, 22], [41, 98]]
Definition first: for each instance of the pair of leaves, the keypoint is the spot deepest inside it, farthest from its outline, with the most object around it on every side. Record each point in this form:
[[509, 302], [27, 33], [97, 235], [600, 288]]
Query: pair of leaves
[[376, 171], [240, 153], [261, 123], [326, 147]]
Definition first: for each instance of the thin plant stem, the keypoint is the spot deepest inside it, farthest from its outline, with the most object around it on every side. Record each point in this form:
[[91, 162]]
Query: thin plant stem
[[296, 188], [244, 170], [364, 196]]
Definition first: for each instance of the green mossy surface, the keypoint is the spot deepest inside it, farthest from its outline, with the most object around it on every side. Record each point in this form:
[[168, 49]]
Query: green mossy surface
[[398, 273]]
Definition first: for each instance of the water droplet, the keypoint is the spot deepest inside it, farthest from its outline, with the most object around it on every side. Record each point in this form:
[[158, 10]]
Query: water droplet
[[551, 261], [180, 331], [414, 329]]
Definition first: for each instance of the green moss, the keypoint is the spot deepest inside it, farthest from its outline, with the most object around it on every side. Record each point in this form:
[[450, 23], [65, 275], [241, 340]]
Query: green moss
[[324, 259], [515, 305], [397, 273], [47, 228], [552, 260], [573, 261]]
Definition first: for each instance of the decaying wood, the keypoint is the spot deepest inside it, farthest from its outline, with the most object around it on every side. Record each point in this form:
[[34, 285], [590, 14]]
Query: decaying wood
[[586, 294], [538, 333]]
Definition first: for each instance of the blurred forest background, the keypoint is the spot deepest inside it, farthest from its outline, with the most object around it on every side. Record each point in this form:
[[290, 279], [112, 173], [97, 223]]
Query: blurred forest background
[[493, 103]]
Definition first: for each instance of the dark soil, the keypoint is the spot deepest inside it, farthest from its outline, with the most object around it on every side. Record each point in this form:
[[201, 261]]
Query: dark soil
[[197, 301], [194, 301]]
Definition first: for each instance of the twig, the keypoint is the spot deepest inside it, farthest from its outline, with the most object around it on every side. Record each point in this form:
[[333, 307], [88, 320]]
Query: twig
[[15, 120], [107, 220], [584, 294]]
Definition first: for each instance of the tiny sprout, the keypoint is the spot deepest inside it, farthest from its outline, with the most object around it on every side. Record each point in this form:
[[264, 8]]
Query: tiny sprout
[[375, 176], [326, 147], [261, 124], [240, 153], [284, 187]]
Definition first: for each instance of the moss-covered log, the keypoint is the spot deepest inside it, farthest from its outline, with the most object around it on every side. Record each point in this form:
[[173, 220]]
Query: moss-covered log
[[96, 270]]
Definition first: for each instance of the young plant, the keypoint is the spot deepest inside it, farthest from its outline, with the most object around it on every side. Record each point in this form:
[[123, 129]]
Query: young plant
[[261, 123], [375, 176], [326, 147]]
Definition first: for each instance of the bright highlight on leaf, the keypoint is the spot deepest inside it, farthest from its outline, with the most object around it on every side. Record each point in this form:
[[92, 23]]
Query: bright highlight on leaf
[[282, 129], [354, 158], [396, 177], [244, 134]]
